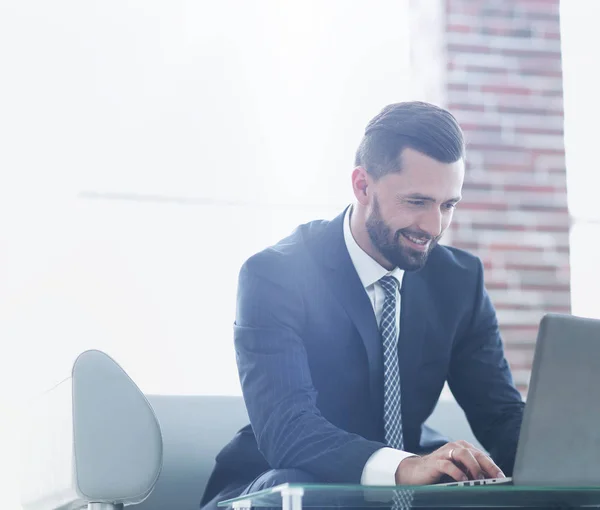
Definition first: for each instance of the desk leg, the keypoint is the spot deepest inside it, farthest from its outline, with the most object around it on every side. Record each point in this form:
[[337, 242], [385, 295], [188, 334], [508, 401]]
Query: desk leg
[[245, 504], [291, 498]]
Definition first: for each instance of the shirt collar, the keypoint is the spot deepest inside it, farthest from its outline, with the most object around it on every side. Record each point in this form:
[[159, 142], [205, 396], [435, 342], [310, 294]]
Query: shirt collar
[[368, 269]]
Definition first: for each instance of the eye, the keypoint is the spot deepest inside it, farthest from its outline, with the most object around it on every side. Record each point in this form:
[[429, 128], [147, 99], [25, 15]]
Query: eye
[[417, 203], [449, 206]]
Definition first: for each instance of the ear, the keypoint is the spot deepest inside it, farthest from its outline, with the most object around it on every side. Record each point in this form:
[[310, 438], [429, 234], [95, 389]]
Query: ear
[[361, 182]]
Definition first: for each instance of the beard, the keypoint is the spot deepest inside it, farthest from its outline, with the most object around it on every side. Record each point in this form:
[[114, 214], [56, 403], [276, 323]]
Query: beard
[[389, 243]]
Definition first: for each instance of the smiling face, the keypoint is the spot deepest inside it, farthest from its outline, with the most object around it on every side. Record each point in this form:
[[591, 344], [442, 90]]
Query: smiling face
[[405, 213]]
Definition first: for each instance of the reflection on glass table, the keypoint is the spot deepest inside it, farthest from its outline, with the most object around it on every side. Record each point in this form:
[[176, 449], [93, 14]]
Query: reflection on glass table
[[296, 496]]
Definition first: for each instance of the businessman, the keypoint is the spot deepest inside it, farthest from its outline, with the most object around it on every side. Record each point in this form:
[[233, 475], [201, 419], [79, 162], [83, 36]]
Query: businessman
[[347, 330]]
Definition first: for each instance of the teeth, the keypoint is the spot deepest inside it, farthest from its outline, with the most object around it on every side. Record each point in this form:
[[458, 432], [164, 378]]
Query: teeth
[[416, 240]]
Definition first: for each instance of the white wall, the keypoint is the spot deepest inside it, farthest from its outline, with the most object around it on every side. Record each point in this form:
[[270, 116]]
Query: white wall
[[581, 68], [147, 149]]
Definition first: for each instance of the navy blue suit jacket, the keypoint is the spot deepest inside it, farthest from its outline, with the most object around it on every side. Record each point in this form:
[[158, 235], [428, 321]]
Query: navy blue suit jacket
[[309, 355]]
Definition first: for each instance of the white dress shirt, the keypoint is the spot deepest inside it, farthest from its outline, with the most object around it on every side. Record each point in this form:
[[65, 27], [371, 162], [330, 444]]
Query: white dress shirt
[[381, 467]]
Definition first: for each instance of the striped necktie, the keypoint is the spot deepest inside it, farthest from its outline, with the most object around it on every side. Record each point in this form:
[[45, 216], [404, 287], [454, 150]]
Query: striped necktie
[[392, 418]]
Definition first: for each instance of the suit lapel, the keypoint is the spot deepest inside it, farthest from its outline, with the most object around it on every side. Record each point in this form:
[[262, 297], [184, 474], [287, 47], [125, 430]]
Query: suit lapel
[[415, 314], [353, 297], [346, 285]]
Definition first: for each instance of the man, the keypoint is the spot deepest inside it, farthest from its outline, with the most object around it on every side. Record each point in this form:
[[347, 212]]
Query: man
[[346, 331]]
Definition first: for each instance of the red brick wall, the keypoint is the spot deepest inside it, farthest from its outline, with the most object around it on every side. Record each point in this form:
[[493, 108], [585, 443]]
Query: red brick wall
[[504, 84]]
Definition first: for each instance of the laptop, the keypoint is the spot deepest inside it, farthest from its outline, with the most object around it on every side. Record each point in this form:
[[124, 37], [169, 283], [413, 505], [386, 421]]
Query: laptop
[[559, 441]]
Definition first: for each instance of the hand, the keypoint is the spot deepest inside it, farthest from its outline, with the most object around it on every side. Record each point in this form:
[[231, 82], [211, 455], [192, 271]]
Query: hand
[[460, 460]]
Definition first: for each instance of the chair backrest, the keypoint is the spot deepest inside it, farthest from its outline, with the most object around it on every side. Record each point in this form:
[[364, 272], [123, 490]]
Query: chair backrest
[[194, 429], [94, 438]]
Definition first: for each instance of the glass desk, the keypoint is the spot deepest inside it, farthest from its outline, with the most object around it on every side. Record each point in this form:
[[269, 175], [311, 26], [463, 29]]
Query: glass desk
[[295, 496]]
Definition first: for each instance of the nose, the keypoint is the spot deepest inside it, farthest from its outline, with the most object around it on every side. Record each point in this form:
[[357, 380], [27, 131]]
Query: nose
[[431, 222]]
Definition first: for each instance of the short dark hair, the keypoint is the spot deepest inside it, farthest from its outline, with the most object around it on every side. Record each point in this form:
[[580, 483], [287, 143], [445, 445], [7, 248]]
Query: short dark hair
[[421, 126]]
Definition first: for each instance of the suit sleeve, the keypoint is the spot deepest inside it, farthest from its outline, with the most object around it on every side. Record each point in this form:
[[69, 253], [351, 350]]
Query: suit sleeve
[[481, 381], [276, 381]]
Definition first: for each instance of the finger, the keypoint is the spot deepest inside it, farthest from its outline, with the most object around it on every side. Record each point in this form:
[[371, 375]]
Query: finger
[[487, 465], [452, 470], [466, 444], [469, 463]]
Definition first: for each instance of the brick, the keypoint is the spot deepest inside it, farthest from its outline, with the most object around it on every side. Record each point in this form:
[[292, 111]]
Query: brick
[[508, 247], [536, 100], [485, 137], [526, 110], [493, 102], [498, 226], [550, 161], [475, 165], [550, 34], [518, 116], [459, 85], [520, 69], [531, 52], [535, 71], [462, 60], [503, 25], [483, 206], [472, 246], [516, 199], [459, 28], [501, 88], [547, 258], [497, 285], [540, 268], [552, 228], [530, 328], [541, 5], [541, 131], [510, 216], [544, 207], [532, 298], [527, 278], [468, 49], [546, 308], [513, 82], [502, 42], [515, 76], [540, 16], [524, 175], [545, 240], [478, 186], [546, 142], [498, 145], [534, 188], [500, 72], [465, 106]]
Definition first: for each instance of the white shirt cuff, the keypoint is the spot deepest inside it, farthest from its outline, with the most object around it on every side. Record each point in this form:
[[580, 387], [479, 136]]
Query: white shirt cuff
[[381, 467]]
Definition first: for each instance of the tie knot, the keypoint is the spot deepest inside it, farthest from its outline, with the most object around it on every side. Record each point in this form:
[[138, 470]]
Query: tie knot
[[389, 284]]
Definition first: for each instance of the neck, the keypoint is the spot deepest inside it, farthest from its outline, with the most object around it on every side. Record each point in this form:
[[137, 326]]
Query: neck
[[358, 228]]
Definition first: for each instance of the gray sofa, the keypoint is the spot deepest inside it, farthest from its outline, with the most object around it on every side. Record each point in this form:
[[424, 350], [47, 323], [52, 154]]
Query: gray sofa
[[195, 428], [192, 429]]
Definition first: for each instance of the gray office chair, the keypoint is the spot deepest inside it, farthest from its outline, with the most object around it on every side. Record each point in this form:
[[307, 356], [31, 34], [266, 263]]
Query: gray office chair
[[105, 468], [92, 441]]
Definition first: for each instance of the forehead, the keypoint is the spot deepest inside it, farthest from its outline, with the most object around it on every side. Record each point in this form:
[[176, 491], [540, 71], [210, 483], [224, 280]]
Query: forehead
[[426, 176]]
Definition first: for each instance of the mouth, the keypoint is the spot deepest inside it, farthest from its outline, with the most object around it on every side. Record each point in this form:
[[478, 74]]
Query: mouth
[[417, 243]]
